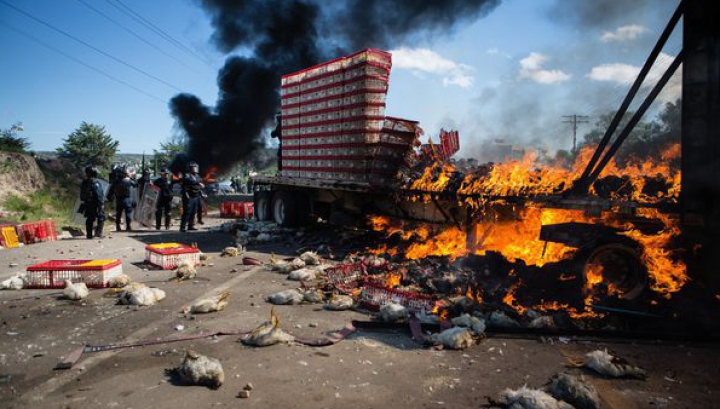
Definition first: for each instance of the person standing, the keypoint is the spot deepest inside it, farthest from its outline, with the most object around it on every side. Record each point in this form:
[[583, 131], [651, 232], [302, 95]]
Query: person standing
[[92, 203], [192, 187], [122, 189], [164, 200]]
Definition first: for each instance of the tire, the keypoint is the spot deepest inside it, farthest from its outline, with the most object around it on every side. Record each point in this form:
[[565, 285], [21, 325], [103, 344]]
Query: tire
[[290, 209], [262, 200], [622, 270]]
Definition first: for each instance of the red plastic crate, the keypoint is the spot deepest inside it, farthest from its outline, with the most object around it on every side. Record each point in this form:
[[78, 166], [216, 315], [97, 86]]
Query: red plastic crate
[[169, 255], [244, 210], [53, 273], [35, 232], [375, 295]]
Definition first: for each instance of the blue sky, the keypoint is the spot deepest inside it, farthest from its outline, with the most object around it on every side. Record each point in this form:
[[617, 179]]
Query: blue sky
[[512, 74]]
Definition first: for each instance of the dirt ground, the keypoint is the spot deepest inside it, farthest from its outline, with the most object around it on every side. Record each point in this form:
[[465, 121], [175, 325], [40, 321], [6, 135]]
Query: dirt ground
[[370, 369]]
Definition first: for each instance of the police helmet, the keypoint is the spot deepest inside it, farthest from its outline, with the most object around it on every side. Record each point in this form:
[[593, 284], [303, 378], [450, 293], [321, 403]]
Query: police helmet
[[193, 167], [91, 171], [164, 170]]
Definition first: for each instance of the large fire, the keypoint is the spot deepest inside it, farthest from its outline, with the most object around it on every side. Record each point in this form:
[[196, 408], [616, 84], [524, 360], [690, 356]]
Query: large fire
[[514, 231]]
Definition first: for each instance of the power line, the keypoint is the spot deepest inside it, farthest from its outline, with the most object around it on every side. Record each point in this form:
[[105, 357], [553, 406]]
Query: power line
[[86, 44], [575, 120], [118, 4], [133, 33], [77, 60]]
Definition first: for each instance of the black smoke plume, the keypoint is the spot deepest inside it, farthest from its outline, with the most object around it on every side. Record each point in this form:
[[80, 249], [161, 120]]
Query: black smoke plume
[[282, 36]]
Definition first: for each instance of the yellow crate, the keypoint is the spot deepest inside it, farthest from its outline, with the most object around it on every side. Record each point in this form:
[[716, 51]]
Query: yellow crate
[[9, 236]]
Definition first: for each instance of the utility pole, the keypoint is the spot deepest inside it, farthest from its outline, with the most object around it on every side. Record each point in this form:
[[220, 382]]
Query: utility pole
[[575, 120]]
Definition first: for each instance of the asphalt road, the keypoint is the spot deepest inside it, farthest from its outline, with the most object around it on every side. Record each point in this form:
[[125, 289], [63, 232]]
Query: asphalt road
[[369, 369]]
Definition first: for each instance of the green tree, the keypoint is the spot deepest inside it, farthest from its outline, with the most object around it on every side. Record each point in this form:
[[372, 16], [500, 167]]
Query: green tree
[[89, 144], [168, 150], [11, 142], [639, 143]]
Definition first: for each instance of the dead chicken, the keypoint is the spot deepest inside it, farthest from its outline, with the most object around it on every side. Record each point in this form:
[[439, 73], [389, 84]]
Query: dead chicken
[[314, 296], [302, 274], [527, 398], [230, 252], [75, 291], [279, 265], [286, 297], [297, 263], [339, 303], [13, 283], [140, 294], [119, 281], [574, 391], [607, 364], [196, 369], [393, 312], [310, 258], [268, 333], [215, 303], [476, 324], [185, 271], [454, 338]]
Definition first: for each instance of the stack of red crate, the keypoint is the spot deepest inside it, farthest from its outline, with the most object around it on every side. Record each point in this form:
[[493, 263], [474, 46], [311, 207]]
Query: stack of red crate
[[331, 115], [35, 232]]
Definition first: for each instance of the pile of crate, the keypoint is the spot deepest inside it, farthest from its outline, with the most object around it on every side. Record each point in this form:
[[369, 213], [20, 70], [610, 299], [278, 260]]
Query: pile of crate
[[333, 120], [11, 235]]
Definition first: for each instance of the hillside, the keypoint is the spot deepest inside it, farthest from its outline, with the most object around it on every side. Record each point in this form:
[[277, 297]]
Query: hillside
[[20, 175]]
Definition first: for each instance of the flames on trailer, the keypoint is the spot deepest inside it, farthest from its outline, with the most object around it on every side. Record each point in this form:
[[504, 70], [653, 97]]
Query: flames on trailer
[[514, 230]]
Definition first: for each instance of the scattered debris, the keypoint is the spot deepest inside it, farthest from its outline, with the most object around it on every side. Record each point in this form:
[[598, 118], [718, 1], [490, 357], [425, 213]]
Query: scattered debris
[[286, 297], [16, 282], [339, 303], [196, 369], [76, 291], [251, 261], [268, 333], [574, 391], [607, 364], [244, 394], [212, 304]]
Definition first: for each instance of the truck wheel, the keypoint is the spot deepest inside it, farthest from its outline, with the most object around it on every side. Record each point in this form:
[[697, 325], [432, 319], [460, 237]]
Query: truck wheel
[[262, 200], [290, 209], [622, 272]]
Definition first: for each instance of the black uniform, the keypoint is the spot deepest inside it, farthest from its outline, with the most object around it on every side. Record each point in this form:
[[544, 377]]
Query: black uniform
[[93, 206], [122, 189], [191, 191], [164, 201]]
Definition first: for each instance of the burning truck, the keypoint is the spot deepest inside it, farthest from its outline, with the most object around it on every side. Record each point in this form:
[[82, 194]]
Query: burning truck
[[586, 239]]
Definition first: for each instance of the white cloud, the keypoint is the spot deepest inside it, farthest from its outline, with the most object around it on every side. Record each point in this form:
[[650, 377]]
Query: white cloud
[[531, 68], [625, 74], [496, 51], [624, 33], [423, 60]]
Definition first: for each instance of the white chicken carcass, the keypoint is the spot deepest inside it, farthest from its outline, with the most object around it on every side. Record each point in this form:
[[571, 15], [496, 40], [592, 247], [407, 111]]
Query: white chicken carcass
[[310, 258], [607, 364], [393, 312], [212, 304], [339, 303], [185, 271], [196, 369], [574, 391], [278, 265], [314, 296], [140, 294], [230, 252], [454, 338], [527, 398], [286, 297], [75, 291], [297, 263], [476, 324], [13, 283], [268, 333], [303, 274], [119, 281]]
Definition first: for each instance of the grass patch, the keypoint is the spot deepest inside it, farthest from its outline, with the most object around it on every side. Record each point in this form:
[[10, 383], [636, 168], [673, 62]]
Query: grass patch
[[40, 205]]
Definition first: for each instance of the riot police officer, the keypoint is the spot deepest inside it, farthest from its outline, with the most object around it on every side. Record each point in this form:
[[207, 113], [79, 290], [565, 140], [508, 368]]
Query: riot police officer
[[122, 190], [93, 202], [164, 200], [192, 187]]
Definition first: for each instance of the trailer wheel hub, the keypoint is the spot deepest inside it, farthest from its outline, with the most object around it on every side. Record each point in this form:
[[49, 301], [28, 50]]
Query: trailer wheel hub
[[616, 267]]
